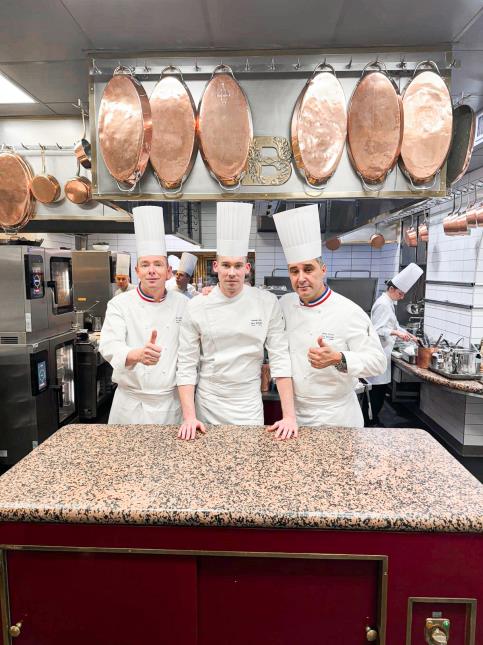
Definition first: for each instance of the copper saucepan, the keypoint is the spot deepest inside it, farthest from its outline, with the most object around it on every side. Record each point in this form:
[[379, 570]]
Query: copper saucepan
[[423, 232], [78, 190], [82, 149], [333, 243], [45, 188], [377, 240], [411, 236]]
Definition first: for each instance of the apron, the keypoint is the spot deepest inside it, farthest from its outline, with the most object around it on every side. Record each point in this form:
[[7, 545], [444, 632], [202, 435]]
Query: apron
[[129, 407]]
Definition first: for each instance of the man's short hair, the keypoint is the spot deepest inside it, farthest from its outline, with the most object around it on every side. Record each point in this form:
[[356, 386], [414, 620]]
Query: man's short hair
[[320, 260]]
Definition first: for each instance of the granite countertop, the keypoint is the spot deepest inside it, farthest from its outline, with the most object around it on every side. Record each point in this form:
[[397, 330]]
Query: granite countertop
[[473, 387], [330, 478]]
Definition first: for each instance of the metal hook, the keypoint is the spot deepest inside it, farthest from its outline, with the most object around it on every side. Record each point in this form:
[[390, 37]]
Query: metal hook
[[247, 66], [402, 62], [146, 69], [376, 62], [271, 67], [297, 64], [23, 146], [349, 64], [95, 69], [197, 67], [59, 146]]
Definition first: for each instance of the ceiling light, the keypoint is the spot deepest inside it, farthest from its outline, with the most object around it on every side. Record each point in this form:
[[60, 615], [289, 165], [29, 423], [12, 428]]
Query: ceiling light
[[12, 93]]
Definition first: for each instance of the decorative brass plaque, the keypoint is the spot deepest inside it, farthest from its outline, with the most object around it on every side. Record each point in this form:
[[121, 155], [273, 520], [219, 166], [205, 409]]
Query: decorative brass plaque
[[257, 161]]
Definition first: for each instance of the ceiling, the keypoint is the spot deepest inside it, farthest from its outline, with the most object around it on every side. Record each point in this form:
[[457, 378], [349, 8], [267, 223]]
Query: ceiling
[[44, 42]]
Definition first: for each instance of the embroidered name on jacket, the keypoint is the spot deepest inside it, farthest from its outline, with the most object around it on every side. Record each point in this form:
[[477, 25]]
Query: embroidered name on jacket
[[256, 322]]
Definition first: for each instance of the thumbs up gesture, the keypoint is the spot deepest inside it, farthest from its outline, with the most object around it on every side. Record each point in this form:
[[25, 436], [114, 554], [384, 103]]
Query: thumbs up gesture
[[323, 355], [150, 353]]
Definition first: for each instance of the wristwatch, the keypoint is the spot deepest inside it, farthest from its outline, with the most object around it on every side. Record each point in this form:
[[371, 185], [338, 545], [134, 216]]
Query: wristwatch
[[341, 366]]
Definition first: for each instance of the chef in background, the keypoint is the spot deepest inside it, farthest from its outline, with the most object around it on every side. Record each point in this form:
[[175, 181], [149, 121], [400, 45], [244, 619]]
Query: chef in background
[[173, 261], [184, 274], [383, 316], [140, 333], [123, 263], [332, 341], [223, 338]]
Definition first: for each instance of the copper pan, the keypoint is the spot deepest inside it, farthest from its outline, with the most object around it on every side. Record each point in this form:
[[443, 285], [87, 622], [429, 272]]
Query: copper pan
[[411, 236], [377, 240], [333, 243], [17, 204], [174, 144], [462, 140], [224, 128], [125, 129], [82, 149], [319, 127], [454, 225], [78, 190], [375, 125], [423, 232], [45, 188], [428, 123]]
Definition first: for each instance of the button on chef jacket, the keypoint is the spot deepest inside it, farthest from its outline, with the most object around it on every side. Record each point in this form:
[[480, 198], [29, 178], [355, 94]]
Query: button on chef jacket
[[222, 344], [383, 316], [326, 396], [145, 393]]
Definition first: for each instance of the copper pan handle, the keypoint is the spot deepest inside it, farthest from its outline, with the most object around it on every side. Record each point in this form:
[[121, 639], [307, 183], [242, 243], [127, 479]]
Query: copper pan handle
[[123, 69], [171, 192], [380, 67], [127, 190], [428, 63], [230, 189], [372, 188], [323, 67], [318, 190], [222, 69], [423, 187], [176, 71]]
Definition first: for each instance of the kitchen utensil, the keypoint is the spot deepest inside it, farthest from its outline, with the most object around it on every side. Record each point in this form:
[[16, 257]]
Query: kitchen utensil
[[423, 231], [17, 204], [174, 144], [428, 123], [45, 188], [447, 358], [437, 361], [96, 323], [414, 308], [319, 127], [462, 141], [377, 240], [78, 190], [411, 235], [224, 128], [375, 126], [439, 340], [82, 148], [125, 128], [423, 358], [333, 243], [464, 361]]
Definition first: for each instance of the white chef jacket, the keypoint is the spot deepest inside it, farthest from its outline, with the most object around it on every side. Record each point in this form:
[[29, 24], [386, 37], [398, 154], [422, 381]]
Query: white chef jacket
[[326, 396], [222, 344], [118, 291], [383, 316], [145, 393], [189, 293]]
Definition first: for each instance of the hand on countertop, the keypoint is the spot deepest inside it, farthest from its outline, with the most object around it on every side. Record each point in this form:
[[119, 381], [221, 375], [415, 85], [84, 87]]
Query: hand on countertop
[[323, 355], [187, 429], [286, 428]]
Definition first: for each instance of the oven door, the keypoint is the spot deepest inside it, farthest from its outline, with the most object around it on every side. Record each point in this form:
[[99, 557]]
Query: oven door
[[61, 309], [63, 369]]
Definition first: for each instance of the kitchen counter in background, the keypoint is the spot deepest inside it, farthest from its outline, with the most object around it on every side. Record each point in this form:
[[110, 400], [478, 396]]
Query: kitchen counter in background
[[360, 532], [465, 387]]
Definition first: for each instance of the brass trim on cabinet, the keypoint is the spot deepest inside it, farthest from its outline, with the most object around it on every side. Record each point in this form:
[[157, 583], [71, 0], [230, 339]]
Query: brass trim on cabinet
[[381, 559], [470, 623]]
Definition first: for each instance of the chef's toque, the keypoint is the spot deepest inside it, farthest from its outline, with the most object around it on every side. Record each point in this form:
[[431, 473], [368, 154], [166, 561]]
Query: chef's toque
[[149, 230], [187, 263], [407, 277], [173, 261], [233, 222], [123, 262], [299, 233]]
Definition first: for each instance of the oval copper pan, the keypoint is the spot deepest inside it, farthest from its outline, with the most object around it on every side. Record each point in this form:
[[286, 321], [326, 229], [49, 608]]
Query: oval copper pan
[[174, 145], [17, 205], [224, 128], [78, 190], [464, 124], [375, 123], [319, 128], [428, 123], [125, 129]]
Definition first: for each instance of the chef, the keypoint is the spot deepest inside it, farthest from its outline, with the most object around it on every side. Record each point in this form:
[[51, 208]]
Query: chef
[[223, 337], [332, 341], [383, 316], [140, 334], [173, 261], [184, 274], [123, 262]]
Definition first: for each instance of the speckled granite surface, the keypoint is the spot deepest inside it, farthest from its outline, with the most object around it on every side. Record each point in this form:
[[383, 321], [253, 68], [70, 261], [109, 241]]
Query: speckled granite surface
[[475, 387], [332, 478]]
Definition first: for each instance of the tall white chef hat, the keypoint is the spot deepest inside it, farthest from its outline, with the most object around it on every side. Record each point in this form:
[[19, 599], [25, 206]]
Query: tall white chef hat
[[173, 261], [149, 230], [123, 262], [187, 263], [299, 233], [233, 221], [405, 279]]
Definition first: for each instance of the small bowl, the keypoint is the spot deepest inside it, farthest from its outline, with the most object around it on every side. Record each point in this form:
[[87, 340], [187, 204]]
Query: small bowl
[[100, 247]]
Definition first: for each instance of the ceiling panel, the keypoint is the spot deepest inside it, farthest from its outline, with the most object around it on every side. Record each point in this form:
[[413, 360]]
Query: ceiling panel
[[133, 26], [51, 82], [24, 109], [39, 30]]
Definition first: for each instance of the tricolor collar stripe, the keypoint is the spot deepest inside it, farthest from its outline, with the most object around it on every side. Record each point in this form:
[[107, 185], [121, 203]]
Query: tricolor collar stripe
[[144, 296], [319, 301]]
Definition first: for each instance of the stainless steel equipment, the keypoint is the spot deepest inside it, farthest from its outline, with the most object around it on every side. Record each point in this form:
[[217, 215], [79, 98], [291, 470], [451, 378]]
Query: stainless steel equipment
[[362, 291], [93, 273], [35, 292], [93, 378], [464, 361], [37, 391]]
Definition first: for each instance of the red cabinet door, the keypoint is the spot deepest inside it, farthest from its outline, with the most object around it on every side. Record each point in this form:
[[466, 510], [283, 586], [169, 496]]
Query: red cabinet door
[[102, 598]]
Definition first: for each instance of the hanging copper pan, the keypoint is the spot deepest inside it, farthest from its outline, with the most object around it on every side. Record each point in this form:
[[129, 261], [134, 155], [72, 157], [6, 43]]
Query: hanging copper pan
[[333, 243], [411, 236], [377, 240], [17, 204], [375, 123], [319, 126], [82, 148], [78, 190], [459, 157], [224, 128], [174, 144], [428, 123], [45, 188], [423, 232], [125, 129]]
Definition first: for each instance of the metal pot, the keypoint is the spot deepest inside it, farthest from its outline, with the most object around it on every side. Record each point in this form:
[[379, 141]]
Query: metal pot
[[333, 243], [464, 361], [447, 359], [423, 232], [45, 188], [437, 361], [411, 236], [377, 241], [424, 356]]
